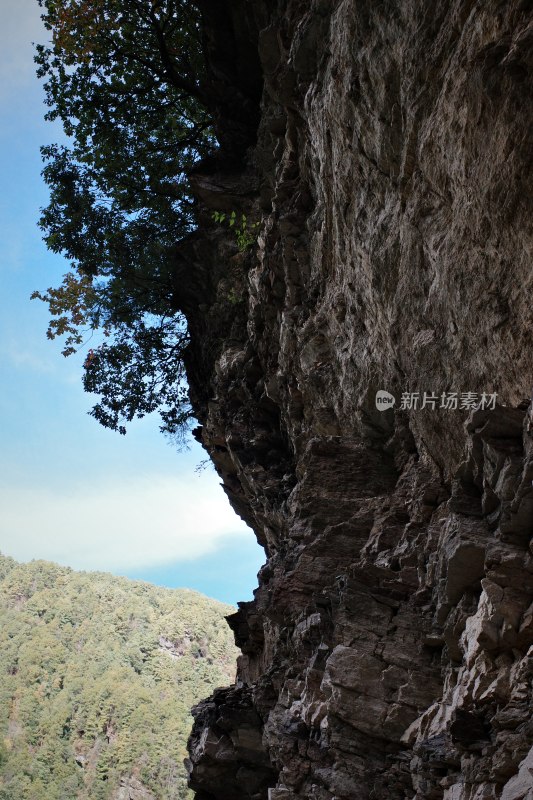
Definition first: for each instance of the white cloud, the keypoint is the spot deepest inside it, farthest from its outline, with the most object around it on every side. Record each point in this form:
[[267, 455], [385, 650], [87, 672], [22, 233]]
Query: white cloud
[[21, 25], [127, 525], [27, 360]]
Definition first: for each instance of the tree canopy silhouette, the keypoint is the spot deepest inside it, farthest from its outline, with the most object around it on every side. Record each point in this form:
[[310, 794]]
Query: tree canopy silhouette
[[126, 82]]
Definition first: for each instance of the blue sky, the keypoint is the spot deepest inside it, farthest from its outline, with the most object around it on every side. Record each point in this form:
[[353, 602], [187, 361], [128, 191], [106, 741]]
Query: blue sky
[[71, 491]]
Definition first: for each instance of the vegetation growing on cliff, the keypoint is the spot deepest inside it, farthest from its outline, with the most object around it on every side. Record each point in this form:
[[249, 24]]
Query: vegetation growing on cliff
[[126, 80], [245, 232], [97, 676]]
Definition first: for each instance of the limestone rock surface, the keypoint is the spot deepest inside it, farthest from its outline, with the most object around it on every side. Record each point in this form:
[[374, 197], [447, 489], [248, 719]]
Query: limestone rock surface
[[388, 652]]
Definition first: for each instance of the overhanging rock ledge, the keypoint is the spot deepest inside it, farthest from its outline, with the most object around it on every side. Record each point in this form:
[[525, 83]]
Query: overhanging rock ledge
[[386, 153]]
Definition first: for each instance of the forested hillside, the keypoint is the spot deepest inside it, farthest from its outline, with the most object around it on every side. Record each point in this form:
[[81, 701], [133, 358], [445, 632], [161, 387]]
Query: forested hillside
[[97, 678]]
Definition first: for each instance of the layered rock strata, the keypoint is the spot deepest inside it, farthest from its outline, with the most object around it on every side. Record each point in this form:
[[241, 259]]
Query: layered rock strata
[[388, 652]]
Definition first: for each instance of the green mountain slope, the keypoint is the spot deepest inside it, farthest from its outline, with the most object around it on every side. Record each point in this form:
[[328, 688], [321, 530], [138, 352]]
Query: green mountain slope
[[97, 677]]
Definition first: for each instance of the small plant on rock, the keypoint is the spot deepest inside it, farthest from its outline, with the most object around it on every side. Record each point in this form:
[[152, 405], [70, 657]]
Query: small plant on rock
[[245, 232]]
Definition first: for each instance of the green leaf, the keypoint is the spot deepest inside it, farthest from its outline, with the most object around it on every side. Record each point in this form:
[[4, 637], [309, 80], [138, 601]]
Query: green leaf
[[124, 79]]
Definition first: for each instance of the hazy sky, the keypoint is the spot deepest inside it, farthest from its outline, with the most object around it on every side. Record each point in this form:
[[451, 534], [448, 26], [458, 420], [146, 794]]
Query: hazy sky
[[71, 491]]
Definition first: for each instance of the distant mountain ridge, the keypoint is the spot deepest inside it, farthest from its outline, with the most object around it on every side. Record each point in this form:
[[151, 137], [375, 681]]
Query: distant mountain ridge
[[97, 678]]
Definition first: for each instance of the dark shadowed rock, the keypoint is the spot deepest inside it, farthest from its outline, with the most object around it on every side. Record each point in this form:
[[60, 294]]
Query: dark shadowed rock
[[387, 652]]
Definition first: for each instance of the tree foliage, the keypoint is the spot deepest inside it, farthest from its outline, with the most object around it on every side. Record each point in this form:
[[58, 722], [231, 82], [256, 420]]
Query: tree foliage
[[126, 82], [97, 676]]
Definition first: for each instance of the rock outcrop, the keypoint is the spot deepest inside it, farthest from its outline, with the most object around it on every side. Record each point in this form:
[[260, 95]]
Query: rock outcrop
[[388, 652], [132, 789]]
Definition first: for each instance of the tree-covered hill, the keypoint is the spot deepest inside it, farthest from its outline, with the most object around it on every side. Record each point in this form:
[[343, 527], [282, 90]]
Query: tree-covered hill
[[97, 677]]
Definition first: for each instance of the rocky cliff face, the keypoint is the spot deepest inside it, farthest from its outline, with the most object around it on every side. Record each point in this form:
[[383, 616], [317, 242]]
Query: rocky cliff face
[[389, 650]]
